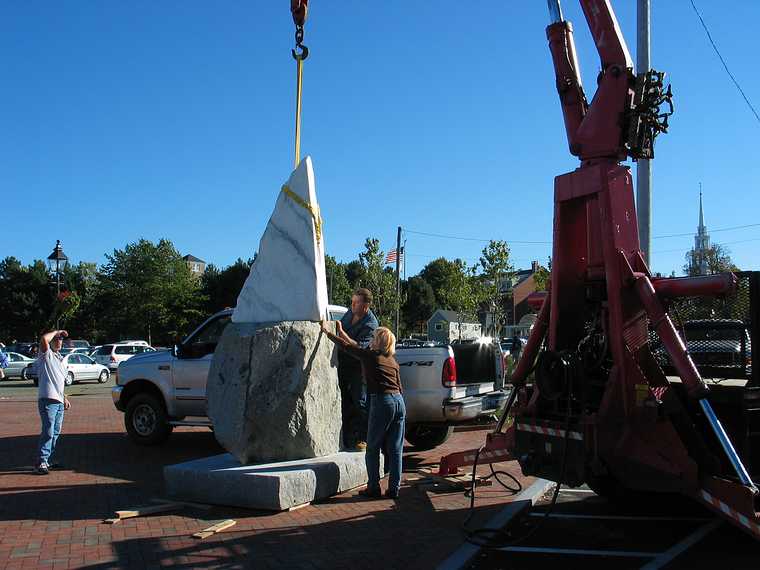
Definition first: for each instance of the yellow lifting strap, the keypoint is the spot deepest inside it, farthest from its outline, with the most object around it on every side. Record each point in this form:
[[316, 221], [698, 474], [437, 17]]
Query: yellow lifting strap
[[313, 210], [298, 9], [299, 65]]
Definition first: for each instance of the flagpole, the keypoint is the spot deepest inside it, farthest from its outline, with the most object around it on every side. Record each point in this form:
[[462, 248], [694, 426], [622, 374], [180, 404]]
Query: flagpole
[[398, 279]]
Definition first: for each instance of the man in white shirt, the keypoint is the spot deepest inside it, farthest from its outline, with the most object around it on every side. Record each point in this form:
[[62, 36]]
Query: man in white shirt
[[51, 400]]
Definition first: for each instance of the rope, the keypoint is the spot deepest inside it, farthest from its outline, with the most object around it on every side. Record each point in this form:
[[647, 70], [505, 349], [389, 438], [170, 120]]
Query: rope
[[313, 210]]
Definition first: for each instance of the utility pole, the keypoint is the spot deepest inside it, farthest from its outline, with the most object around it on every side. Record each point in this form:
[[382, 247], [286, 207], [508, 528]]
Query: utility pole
[[398, 278], [643, 166]]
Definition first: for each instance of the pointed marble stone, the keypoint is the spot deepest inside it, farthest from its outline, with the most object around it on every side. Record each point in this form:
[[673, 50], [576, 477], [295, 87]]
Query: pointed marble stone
[[287, 280]]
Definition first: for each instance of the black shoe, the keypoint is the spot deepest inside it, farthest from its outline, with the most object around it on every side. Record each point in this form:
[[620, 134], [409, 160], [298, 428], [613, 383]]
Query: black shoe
[[41, 469], [56, 466], [370, 493], [391, 494]]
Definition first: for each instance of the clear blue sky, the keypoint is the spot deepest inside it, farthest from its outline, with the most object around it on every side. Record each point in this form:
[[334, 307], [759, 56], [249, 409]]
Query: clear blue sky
[[145, 119]]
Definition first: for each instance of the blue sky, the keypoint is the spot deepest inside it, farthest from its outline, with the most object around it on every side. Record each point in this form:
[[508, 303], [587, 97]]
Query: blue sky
[[146, 119]]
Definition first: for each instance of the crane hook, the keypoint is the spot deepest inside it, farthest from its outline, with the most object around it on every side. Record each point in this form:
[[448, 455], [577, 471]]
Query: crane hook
[[299, 8]]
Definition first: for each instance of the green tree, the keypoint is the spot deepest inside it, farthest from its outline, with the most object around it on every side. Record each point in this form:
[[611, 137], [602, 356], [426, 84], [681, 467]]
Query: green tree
[[718, 261], [495, 268], [82, 281], [541, 278], [419, 303], [27, 297], [338, 287], [380, 280], [354, 273], [222, 287], [439, 274], [148, 291]]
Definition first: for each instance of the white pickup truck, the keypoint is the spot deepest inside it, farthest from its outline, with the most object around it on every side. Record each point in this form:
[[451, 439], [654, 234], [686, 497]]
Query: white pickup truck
[[443, 386]]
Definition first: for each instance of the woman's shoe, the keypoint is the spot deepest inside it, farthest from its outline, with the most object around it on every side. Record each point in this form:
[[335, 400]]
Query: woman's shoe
[[370, 493]]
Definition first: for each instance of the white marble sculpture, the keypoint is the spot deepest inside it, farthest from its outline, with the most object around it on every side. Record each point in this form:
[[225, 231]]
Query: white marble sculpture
[[287, 281]]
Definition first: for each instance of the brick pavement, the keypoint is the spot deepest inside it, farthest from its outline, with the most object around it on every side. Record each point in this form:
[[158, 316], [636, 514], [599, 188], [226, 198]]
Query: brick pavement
[[56, 521]]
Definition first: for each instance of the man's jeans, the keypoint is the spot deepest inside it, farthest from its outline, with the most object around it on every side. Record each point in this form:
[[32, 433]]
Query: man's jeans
[[51, 413], [353, 394], [387, 414]]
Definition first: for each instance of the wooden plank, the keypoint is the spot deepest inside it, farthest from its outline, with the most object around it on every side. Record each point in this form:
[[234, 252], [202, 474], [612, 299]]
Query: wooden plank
[[218, 527], [149, 510], [201, 506]]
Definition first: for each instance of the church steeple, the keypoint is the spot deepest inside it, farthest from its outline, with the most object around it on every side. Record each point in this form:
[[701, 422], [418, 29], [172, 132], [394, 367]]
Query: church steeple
[[701, 229], [699, 254]]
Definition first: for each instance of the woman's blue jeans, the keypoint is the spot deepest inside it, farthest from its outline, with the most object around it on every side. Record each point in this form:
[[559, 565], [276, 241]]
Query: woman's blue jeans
[[387, 415], [51, 414]]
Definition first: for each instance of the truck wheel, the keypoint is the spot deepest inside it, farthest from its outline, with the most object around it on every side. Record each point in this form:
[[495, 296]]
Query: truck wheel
[[146, 420], [422, 437]]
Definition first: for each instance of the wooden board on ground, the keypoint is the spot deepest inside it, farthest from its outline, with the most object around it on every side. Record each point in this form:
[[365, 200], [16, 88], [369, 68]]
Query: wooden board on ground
[[142, 511], [201, 506], [218, 527]]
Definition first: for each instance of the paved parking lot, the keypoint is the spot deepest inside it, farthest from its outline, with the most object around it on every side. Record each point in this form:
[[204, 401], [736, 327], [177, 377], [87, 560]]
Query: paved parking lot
[[56, 521]]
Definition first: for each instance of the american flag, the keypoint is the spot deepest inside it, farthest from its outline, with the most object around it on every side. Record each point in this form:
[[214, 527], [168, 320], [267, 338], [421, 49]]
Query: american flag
[[392, 254]]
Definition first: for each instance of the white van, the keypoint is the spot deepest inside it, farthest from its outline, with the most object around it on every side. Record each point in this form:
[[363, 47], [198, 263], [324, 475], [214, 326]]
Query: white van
[[111, 355]]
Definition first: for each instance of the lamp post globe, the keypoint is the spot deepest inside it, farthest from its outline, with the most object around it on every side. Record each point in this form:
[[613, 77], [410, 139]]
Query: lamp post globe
[[57, 263]]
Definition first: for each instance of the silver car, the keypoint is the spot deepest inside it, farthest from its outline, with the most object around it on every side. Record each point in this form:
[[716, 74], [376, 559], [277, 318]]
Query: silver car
[[17, 366], [78, 367]]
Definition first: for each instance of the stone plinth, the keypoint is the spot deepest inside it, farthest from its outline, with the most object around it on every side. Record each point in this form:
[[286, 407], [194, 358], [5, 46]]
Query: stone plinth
[[273, 392], [221, 480]]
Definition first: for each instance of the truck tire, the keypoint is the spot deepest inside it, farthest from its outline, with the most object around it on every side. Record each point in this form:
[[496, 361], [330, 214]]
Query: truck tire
[[146, 420], [423, 437]]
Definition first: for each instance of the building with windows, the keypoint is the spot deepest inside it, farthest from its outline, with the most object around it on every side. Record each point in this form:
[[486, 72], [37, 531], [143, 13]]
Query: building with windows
[[445, 326], [195, 265]]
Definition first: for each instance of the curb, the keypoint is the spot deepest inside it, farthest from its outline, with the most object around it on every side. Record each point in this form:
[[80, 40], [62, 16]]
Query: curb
[[466, 552]]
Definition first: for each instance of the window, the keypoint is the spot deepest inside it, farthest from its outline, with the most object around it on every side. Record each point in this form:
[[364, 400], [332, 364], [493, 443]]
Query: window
[[212, 332], [125, 349], [105, 350], [439, 326]]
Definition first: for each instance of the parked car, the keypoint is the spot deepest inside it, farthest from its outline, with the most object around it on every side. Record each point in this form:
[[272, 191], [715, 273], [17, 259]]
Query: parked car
[[78, 367], [443, 386], [718, 347], [72, 350], [17, 366], [26, 348], [75, 343], [142, 342], [508, 344], [111, 355]]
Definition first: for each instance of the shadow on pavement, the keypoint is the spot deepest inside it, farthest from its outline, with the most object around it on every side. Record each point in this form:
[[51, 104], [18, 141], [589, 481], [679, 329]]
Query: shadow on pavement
[[404, 535], [127, 474]]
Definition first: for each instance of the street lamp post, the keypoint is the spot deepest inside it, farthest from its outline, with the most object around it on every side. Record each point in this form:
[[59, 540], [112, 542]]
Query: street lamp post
[[57, 263]]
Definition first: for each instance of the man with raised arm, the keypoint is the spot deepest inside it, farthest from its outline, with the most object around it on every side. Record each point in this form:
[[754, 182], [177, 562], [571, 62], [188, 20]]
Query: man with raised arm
[[51, 400], [359, 323]]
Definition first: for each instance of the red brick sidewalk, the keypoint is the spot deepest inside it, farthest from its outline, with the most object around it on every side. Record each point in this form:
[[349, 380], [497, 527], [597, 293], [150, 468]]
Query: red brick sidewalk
[[56, 521]]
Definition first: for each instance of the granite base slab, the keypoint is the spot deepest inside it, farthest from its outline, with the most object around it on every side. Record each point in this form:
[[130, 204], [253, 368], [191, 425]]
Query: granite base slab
[[222, 480]]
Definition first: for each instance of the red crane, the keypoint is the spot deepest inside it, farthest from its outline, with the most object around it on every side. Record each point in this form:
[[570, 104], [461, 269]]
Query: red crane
[[600, 410]]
